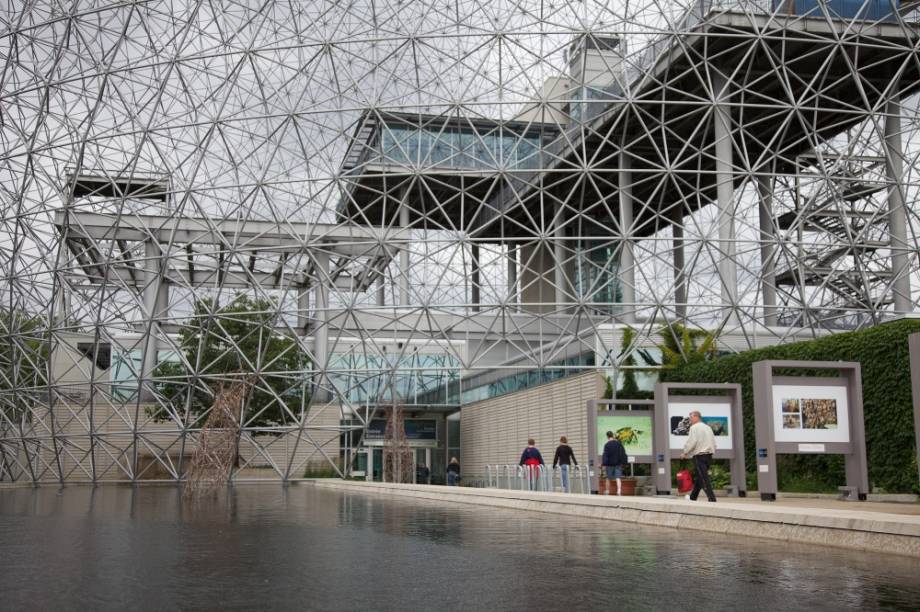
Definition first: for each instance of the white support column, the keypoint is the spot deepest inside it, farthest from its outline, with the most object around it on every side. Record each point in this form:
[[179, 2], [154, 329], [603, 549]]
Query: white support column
[[767, 248], [404, 251], [512, 277], [155, 298], [303, 308], [63, 306], [321, 326], [897, 213], [475, 277], [559, 256], [627, 270], [728, 269], [680, 275], [381, 290], [162, 307]]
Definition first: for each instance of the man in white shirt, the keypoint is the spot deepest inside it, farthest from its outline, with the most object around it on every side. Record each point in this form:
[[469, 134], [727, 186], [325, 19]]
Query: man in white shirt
[[700, 446]]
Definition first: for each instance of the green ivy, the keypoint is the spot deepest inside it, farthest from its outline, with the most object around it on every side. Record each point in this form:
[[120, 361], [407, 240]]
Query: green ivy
[[882, 351]]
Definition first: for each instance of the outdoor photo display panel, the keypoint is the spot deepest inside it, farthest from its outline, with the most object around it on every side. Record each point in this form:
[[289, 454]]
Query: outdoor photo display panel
[[718, 415], [810, 414], [634, 432], [719, 405]]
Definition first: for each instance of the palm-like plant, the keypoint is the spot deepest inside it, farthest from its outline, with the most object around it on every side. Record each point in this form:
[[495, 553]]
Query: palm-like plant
[[681, 344]]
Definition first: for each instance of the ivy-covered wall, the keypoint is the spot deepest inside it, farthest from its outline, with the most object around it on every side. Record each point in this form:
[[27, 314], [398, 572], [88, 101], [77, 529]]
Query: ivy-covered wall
[[884, 356]]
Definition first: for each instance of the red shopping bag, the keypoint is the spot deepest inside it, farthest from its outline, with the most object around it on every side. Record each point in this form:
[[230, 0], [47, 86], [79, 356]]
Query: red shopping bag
[[684, 481]]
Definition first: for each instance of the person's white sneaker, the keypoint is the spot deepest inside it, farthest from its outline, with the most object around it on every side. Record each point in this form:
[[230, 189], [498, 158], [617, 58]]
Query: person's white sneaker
[[687, 497]]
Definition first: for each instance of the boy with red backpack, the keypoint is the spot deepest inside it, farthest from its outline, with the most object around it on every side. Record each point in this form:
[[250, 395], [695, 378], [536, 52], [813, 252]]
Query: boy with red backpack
[[530, 459]]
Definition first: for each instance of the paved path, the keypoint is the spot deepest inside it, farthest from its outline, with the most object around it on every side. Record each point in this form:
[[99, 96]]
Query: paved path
[[858, 525], [912, 509]]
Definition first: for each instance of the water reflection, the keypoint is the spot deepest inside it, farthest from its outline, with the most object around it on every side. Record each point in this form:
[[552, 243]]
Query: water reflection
[[263, 546]]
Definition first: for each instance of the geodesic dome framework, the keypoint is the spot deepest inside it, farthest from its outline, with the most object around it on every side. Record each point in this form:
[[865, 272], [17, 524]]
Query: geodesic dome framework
[[363, 205]]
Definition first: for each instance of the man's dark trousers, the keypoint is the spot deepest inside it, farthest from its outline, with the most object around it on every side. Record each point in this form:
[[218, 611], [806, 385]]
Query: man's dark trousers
[[701, 463]]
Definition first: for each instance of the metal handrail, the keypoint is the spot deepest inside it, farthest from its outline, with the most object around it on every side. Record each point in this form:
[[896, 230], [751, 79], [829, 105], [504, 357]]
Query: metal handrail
[[540, 478], [522, 477]]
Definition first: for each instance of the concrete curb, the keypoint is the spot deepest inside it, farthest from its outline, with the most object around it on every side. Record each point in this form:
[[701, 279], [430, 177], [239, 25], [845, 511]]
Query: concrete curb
[[853, 529]]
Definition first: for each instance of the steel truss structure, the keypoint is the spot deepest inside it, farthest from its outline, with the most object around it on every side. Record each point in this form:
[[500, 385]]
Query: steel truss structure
[[419, 197]]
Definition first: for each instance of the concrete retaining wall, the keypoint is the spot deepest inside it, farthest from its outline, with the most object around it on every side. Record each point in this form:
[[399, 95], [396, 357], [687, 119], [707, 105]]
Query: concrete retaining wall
[[868, 531]]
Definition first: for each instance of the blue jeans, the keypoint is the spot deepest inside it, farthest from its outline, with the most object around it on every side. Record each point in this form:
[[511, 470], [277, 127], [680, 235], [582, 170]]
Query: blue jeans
[[614, 471], [532, 473], [452, 478], [564, 472]]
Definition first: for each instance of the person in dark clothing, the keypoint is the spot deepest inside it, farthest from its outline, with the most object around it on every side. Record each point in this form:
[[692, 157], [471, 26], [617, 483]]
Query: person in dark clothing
[[613, 460], [564, 457], [531, 459], [453, 472], [422, 474]]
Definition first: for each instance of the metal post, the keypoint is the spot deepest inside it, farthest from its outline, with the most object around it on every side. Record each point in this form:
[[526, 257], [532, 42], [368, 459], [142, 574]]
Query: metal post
[[767, 243], [559, 257], [765, 455], [513, 295], [152, 299], [680, 276], [914, 345], [303, 308], [722, 125], [474, 277], [627, 256], [404, 251], [381, 290], [855, 464], [321, 327], [897, 213]]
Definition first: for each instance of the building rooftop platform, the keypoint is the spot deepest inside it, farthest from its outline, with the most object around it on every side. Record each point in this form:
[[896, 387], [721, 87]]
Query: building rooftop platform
[[795, 81]]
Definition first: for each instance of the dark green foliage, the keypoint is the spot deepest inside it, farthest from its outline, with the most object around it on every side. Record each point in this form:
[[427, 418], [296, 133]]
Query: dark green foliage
[[883, 353], [23, 361], [234, 341], [608, 391], [630, 387], [321, 471], [719, 473]]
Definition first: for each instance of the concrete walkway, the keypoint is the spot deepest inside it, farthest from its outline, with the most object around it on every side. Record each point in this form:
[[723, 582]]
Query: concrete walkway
[[822, 522]]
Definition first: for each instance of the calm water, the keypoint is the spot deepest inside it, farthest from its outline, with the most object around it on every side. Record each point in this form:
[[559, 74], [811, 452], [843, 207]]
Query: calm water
[[264, 547]]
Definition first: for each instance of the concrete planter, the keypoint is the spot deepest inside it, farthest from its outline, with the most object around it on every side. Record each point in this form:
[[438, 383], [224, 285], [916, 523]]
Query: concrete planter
[[609, 487]]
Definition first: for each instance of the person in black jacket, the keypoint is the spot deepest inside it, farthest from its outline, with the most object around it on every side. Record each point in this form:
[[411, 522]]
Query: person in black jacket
[[422, 474], [564, 457], [531, 459], [613, 460], [453, 472]]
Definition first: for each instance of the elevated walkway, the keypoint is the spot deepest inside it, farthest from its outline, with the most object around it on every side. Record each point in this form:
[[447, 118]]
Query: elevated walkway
[[869, 526]]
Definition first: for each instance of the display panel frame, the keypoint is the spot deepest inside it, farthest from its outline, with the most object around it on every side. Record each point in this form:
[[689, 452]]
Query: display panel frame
[[729, 395], [849, 441], [616, 407], [913, 344]]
